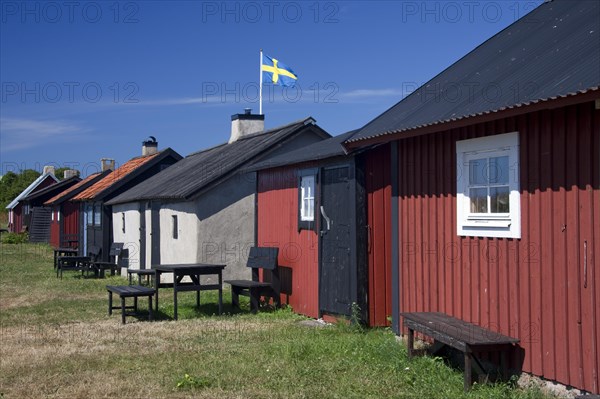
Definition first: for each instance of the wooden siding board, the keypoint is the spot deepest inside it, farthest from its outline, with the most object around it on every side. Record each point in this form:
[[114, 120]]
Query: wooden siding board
[[546, 250], [560, 291], [378, 187], [585, 206], [596, 232], [574, 320]]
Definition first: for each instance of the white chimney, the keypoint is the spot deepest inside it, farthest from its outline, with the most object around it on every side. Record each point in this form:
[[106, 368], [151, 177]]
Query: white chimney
[[107, 164], [48, 169], [149, 146], [246, 124], [70, 173]]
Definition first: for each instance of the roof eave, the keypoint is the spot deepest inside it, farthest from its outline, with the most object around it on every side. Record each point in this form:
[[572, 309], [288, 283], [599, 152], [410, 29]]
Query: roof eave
[[582, 96]]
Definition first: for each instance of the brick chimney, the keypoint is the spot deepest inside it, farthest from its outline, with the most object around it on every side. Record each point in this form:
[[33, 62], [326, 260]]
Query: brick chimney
[[246, 124], [48, 169], [107, 164], [149, 146]]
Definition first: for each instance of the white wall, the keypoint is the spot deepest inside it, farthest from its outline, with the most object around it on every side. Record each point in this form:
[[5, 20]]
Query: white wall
[[131, 237], [182, 249]]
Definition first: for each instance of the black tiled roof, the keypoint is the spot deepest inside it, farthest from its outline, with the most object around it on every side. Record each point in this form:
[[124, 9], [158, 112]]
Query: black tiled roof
[[321, 150], [554, 51], [195, 172]]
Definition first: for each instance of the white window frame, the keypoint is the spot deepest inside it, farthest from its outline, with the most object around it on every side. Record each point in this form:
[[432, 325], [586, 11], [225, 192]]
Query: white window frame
[[307, 196], [58, 215], [501, 225]]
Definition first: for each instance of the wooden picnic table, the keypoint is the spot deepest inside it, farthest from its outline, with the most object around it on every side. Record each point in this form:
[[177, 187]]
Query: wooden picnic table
[[194, 271], [58, 252], [461, 335]]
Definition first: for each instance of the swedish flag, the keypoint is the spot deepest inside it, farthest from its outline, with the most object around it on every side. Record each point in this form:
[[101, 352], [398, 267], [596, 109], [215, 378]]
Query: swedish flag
[[277, 73]]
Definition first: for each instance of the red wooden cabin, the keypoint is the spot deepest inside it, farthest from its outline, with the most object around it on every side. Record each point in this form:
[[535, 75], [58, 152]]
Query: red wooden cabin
[[495, 215], [18, 212], [64, 227]]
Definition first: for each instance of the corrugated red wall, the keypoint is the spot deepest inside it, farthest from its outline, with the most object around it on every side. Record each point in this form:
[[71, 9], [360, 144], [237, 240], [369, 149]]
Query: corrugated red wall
[[17, 223], [537, 288], [379, 246], [55, 229], [278, 227], [70, 221]]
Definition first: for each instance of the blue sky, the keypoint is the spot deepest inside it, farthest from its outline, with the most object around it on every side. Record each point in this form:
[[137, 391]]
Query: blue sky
[[86, 80]]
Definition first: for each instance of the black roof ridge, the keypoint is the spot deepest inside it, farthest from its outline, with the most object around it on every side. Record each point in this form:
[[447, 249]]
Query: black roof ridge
[[297, 156], [252, 135]]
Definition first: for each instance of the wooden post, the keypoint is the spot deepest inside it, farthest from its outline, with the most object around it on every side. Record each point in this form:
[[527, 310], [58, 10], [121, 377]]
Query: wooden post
[[468, 371], [411, 342]]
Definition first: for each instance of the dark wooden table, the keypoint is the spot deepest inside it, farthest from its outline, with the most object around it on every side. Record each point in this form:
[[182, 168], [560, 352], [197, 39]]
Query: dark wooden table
[[194, 271], [465, 337], [73, 263], [58, 252]]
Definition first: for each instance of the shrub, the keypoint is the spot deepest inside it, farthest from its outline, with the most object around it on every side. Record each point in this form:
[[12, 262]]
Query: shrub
[[15, 238]]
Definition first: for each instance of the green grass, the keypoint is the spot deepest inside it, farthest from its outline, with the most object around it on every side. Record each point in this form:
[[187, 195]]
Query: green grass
[[58, 341]]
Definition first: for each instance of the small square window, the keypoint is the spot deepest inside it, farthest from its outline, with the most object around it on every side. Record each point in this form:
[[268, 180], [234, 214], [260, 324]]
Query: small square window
[[306, 199], [488, 197]]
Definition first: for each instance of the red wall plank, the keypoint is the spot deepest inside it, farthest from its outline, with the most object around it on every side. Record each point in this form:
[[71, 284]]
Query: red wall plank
[[378, 188]]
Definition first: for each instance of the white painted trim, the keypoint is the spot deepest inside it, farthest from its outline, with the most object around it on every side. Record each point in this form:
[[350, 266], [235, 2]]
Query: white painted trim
[[478, 225]]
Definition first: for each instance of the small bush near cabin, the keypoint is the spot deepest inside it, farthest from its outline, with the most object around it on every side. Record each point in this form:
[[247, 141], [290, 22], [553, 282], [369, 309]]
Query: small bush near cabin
[[15, 238]]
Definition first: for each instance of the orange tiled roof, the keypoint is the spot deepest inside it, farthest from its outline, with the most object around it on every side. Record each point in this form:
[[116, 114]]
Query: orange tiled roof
[[109, 180], [63, 194]]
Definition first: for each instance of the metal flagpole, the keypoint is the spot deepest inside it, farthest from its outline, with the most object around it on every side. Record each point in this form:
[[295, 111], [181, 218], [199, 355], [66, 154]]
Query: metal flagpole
[[260, 84]]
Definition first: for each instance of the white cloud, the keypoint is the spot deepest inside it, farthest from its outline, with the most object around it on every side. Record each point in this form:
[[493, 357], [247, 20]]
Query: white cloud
[[360, 94], [19, 134]]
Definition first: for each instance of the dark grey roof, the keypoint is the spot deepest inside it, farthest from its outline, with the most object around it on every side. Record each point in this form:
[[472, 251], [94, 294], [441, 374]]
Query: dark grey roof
[[554, 51], [320, 150], [53, 189], [195, 172]]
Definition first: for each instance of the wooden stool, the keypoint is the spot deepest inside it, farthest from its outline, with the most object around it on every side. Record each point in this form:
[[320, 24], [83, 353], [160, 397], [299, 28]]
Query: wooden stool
[[129, 291]]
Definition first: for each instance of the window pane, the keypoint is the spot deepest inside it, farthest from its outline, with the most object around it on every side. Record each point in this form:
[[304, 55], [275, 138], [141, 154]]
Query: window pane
[[89, 212], [307, 189], [478, 197], [499, 198], [477, 173], [498, 171], [97, 215]]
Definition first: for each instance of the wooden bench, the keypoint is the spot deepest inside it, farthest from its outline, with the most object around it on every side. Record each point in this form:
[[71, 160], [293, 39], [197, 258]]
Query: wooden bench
[[259, 258], [465, 337], [99, 267], [129, 291]]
